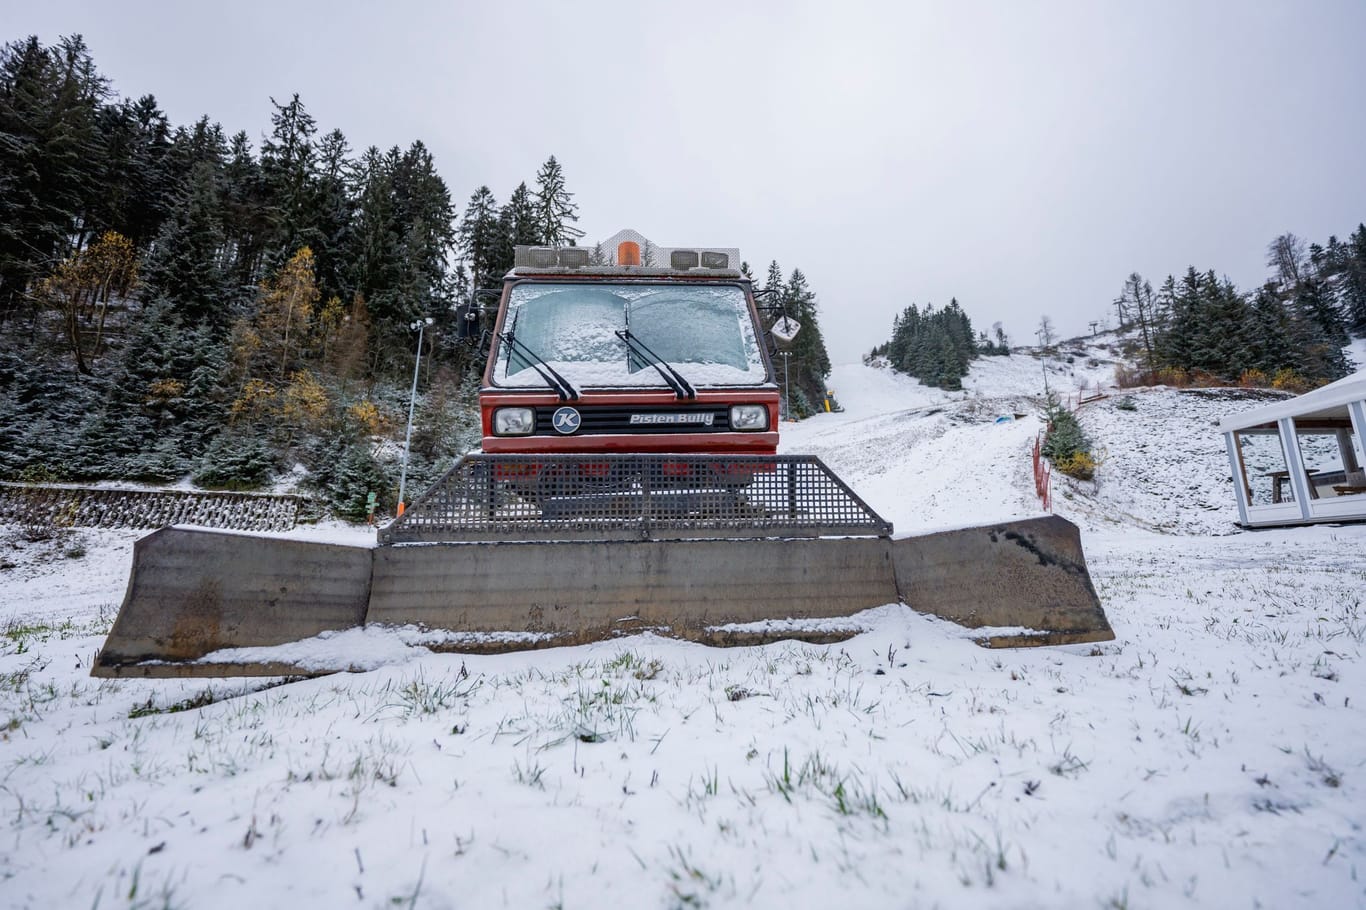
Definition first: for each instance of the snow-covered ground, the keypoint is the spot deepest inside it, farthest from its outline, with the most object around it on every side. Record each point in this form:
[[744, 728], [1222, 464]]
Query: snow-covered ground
[[1212, 756]]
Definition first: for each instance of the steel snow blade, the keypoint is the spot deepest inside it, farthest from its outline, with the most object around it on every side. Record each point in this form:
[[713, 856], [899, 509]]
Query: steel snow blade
[[195, 594]]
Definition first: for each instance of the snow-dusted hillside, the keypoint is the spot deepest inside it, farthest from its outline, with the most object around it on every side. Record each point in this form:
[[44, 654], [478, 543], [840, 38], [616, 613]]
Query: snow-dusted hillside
[[1212, 756], [1162, 465]]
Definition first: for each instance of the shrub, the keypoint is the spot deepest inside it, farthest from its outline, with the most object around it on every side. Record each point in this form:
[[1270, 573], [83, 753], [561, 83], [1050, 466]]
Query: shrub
[[1126, 403], [235, 461], [1065, 444], [345, 470], [1065, 436], [357, 475], [1080, 465], [1287, 380]]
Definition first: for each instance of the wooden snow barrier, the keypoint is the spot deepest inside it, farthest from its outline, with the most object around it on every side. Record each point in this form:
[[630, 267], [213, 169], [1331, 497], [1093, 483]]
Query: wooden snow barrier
[[51, 505]]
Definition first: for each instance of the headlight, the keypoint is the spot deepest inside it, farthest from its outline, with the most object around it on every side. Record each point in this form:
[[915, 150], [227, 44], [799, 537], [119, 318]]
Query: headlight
[[514, 421], [749, 417]]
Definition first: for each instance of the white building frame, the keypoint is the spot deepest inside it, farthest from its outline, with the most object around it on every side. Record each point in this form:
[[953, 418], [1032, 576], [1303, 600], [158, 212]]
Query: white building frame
[[1299, 494]]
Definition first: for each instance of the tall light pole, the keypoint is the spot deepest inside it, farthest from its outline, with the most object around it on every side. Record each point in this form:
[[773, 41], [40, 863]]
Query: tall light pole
[[1043, 360], [787, 388], [421, 326]]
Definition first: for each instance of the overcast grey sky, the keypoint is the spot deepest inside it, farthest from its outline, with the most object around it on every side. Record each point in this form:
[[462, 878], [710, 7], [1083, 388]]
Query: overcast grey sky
[[1021, 156]]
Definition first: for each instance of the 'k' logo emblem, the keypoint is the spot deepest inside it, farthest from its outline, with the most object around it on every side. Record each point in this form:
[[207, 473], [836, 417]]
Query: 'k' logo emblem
[[566, 421]]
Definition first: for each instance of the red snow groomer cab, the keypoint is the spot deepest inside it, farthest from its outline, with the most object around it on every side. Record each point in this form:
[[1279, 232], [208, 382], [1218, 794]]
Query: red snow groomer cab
[[627, 358]]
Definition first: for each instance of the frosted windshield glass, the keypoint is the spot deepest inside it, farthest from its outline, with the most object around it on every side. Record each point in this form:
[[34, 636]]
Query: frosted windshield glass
[[573, 325], [703, 331], [699, 326]]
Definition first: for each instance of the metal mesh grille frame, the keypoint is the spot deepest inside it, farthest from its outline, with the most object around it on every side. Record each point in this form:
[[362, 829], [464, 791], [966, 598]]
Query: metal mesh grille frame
[[635, 497]]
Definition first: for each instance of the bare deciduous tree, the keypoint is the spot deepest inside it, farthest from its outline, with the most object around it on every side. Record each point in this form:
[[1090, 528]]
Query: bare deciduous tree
[[1286, 256], [1045, 331], [1138, 303]]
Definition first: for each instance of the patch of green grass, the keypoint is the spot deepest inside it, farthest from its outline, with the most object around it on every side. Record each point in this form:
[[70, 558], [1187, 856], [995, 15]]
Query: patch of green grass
[[150, 707]]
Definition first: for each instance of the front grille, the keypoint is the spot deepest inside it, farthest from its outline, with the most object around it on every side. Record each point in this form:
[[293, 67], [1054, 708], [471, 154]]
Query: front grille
[[634, 497], [599, 419]]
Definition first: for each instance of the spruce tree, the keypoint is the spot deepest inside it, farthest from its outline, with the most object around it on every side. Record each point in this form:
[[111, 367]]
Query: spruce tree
[[523, 218], [185, 266], [555, 208], [810, 361], [288, 162], [481, 237], [332, 216], [1354, 281], [376, 241], [50, 157], [131, 197], [246, 217]]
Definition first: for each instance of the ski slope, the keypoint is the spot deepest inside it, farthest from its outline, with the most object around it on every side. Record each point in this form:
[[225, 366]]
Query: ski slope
[[1213, 756]]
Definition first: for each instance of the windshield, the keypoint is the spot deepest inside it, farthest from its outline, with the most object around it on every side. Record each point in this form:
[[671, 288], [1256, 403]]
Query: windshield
[[704, 331]]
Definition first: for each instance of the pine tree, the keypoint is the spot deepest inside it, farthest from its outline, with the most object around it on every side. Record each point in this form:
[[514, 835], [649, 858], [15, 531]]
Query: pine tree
[[773, 281], [525, 223], [192, 149], [1269, 329], [810, 361], [480, 237], [1354, 281], [288, 161], [555, 208], [375, 254], [137, 433], [426, 220], [185, 264], [332, 215], [246, 218], [50, 157], [131, 199]]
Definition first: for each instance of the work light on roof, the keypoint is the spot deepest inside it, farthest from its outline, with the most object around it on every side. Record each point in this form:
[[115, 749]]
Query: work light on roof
[[573, 257], [542, 257]]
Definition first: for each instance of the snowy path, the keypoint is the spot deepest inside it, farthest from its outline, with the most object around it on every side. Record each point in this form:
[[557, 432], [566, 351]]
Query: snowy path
[[1212, 756]]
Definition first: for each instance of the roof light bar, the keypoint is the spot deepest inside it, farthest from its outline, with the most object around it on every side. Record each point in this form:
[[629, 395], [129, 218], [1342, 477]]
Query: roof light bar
[[624, 254]]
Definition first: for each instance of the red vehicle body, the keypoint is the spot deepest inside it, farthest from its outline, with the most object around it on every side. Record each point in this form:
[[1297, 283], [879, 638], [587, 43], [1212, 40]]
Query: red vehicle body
[[644, 412]]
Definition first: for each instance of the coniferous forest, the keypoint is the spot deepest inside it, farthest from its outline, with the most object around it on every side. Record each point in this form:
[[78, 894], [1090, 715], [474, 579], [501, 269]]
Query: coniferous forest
[[803, 370], [936, 346], [1290, 332], [179, 303]]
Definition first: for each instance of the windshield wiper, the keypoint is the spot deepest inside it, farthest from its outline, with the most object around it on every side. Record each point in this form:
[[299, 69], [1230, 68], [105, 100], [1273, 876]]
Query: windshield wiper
[[682, 388], [552, 378]]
